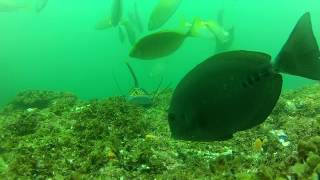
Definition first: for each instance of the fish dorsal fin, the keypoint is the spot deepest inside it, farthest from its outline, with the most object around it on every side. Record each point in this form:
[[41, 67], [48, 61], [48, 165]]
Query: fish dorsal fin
[[300, 54], [244, 55]]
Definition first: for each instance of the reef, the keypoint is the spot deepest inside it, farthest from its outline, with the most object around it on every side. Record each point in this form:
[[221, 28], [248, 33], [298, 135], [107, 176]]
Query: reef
[[46, 134]]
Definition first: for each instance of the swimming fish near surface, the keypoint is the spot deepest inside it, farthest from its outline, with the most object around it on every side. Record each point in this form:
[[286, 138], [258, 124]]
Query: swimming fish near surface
[[116, 12], [11, 6], [162, 13], [160, 44], [137, 19], [237, 90], [112, 20], [131, 34], [105, 23], [121, 34], [225, 44], [41, 4], [224, 38]]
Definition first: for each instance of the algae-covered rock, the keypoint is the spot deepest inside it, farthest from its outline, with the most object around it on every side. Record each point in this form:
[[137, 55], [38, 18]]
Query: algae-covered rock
[[35, 99], [25, 123], [54, 135]]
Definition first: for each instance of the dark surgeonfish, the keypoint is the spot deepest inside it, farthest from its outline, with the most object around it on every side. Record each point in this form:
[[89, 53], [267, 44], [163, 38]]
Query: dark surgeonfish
[[162, 13], [161, 44], [116, 12], [237, 90]]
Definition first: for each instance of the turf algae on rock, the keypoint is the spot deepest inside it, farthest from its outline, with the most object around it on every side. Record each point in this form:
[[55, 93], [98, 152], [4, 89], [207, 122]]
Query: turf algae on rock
[[111, 138]]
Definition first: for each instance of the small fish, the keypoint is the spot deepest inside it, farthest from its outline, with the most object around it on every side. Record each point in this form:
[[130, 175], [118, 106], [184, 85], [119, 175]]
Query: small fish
[[162, 13], [11, 6], [220, 17], [237, 90], [105, 23], [226, 43], [137, 95], [137, 19], [116, 12], [223, 38], [160, 44], [131, 34], [121, 34], [41, 4]]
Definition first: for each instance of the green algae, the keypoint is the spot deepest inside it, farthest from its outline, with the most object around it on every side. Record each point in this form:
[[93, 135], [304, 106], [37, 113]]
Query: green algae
[[55, 135]]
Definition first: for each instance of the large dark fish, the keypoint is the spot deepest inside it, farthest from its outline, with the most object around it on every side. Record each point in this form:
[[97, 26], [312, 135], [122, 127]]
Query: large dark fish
[[116, 12], [162, 13], [237, 90]]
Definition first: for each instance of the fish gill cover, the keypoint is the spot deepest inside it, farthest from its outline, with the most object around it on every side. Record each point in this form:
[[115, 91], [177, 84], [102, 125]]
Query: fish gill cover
[[76, 104]]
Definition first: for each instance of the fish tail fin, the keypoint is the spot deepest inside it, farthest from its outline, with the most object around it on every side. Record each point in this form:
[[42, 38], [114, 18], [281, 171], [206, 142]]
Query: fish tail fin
[[196, 25], [300, 54]]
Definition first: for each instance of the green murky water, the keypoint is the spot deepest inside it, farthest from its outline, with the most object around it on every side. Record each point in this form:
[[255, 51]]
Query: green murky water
[[64, 112], [60, 49]]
